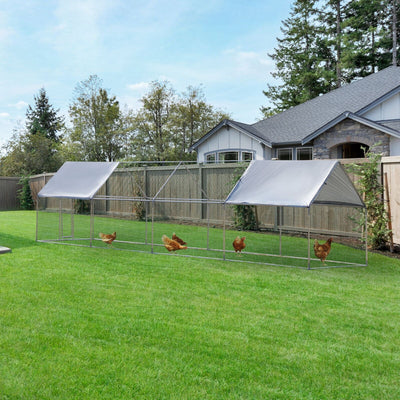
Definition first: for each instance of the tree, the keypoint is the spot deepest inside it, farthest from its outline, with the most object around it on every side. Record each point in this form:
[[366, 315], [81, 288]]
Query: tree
[[191, 118], [330, 42], [330, 16], [34, 149], [96, 120], [304, 61], [43, 119], [168, 124], [366, 37], [152, 137], [30, 154]]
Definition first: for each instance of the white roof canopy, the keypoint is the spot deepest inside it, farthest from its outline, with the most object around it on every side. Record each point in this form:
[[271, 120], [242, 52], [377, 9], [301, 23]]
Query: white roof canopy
[[295, 184], [78, 180]]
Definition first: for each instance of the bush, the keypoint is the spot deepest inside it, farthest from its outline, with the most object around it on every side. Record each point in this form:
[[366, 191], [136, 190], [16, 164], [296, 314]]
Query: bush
[[82, 206], [25, 194], [371, 190], [244, 217]]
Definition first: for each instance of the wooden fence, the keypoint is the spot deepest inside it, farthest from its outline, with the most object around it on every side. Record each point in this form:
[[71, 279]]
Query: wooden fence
[[9, 193], [391, 171]]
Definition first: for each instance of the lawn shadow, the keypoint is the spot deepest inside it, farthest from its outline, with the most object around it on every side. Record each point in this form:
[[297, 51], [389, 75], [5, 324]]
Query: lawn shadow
[[16, 242]]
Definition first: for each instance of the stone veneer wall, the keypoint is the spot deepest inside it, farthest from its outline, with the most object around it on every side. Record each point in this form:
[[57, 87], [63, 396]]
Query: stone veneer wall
[[349, 131]]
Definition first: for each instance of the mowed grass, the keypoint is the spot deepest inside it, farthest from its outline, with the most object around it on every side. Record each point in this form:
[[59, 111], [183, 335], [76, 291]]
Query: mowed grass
[[81, 323]]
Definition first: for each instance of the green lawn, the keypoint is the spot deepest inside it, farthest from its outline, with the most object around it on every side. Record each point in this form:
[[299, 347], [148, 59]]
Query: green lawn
[[81, 323]]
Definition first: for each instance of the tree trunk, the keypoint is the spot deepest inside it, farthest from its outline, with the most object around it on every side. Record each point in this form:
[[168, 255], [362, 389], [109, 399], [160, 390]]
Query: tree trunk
[[338, 45], [394, 18]]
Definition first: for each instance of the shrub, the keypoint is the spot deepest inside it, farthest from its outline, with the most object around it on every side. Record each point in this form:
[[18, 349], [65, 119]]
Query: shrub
[[244, 217], [371, 190], [25, 194]]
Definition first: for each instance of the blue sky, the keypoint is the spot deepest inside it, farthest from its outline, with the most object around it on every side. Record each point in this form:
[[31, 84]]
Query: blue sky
[[219, 44]]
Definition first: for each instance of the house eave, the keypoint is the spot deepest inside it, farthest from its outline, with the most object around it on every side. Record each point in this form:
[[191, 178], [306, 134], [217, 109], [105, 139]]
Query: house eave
[[231, 124]]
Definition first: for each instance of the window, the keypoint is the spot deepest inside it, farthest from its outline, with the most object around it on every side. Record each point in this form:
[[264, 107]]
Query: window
[[304, 153], [285, 154], [210, 158], [228, 156], [247, 156]]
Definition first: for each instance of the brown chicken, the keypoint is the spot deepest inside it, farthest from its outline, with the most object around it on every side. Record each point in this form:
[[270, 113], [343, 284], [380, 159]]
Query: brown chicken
[[172, 245], [322, 250], [178, 239], [238, 244], [108, 238]]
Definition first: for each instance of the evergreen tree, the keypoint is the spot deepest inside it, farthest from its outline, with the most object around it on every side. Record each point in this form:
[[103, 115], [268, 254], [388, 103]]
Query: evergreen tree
[[331, 14], [34, 149], [43, 119], [304, 61], [328, 43], [367, 37]]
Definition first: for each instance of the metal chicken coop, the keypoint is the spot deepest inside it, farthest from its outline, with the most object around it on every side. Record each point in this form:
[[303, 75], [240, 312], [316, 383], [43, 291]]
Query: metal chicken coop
[[142, 202]]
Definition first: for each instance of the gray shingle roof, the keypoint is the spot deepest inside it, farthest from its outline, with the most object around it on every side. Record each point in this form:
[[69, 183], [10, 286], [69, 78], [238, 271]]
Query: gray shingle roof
[[299, 122]]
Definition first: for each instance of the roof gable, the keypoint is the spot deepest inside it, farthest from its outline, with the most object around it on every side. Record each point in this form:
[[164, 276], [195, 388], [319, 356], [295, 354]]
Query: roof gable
[[365, 121], [249, 130]]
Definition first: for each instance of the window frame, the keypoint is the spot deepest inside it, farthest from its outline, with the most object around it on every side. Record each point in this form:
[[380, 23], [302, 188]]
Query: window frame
[[304, 148], [284, 148]]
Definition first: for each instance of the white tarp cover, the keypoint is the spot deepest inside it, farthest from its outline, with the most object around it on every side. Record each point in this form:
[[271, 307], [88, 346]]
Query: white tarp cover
[[295, 184], [78, 180]]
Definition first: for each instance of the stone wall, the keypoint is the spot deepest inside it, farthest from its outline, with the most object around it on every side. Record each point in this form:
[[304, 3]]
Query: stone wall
[[349, 131]]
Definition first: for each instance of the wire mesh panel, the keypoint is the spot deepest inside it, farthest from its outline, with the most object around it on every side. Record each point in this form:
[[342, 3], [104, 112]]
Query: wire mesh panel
[[139, 206]]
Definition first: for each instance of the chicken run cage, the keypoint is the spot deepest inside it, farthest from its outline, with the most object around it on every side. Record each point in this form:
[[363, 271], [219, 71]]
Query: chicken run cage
[[294, 203]]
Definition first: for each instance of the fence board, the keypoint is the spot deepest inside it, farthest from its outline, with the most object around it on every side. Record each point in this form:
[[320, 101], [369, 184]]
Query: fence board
[[9, 187]]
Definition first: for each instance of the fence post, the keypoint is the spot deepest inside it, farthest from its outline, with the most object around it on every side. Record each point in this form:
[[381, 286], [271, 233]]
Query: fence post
[[201, 191]]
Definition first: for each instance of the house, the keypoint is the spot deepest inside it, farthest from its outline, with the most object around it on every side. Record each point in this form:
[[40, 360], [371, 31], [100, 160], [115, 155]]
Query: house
[[335, 125]]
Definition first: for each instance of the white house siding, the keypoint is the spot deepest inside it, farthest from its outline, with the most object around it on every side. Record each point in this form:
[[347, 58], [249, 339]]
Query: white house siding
[[394, 146], [231, 139], [389, 109]]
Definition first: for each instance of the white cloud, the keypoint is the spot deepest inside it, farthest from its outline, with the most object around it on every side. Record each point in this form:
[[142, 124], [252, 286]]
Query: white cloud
[[140, 86], [19, 105], [4, 115], [252, 64]]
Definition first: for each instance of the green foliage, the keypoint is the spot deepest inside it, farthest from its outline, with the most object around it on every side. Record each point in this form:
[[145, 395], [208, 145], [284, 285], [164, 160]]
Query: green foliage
[[327, 43], [97, 122], [82, 206], [43, 118], [244, 217], [371, 190], [303, 60], [25, 195], [34, 149], [167, 124]]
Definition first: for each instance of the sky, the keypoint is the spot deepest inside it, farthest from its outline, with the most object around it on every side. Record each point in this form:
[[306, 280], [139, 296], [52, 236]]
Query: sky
[[220, 45]]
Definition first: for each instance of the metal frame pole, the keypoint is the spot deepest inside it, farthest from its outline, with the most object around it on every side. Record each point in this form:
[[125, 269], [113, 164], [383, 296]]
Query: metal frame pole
[[224, 231], [72, 218], [280, 230], [366, 237], [60, 222], [37, 218], [208, 227], [91, 221], [152, 226], [309, 239]]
